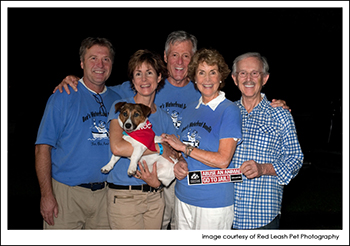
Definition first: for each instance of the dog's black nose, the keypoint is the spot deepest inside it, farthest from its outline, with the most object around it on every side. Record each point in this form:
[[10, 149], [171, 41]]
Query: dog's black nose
[[127, 125]]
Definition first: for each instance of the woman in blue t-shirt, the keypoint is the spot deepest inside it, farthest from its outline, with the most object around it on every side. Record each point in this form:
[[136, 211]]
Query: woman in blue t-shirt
[[208, 136], [136, 202]]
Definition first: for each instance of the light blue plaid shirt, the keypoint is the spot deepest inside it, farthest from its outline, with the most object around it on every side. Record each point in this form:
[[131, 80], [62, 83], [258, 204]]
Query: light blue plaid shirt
[[269, 136]]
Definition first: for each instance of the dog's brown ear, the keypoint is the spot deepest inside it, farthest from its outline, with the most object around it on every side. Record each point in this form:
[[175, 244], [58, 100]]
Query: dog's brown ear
[[118, 106], [145, 109]]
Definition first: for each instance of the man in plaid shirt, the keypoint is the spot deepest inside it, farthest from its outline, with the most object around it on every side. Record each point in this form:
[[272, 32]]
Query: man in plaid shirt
[[270, 154]]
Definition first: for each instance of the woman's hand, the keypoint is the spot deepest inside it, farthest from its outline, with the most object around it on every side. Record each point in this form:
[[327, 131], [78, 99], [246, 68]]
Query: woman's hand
[[169, 152], [174, 142], [150, 178]]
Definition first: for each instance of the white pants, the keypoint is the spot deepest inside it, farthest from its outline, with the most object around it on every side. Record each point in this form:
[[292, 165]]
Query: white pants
[[190, 217], [169, 214]]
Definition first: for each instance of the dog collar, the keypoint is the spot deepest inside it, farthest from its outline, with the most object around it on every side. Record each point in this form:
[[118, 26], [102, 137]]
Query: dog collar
[[144, 135]]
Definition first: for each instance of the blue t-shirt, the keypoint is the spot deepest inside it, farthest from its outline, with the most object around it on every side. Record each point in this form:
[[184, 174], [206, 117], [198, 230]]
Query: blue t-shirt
[[161, 123], [76, 127], [203, 128], [170, 98]]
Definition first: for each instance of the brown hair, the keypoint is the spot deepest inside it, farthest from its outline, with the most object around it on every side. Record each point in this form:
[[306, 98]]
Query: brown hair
[[89, 42], [211, 57], [151, 58]]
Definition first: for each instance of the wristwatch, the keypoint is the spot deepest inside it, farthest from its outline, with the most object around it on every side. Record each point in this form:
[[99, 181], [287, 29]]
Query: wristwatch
[[160, 187]]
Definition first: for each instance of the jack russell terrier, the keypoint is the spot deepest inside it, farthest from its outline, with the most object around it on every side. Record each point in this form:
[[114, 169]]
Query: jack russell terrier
[[138, 131]]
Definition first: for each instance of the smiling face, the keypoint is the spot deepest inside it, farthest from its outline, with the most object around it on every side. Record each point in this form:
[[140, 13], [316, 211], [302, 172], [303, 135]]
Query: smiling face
[[250, 87], [145, 79], [208, 81], [178, 57], [97, 66]]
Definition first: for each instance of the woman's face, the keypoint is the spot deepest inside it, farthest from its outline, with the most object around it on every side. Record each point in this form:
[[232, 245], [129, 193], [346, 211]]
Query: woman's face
[[145, 79], [208, 81]]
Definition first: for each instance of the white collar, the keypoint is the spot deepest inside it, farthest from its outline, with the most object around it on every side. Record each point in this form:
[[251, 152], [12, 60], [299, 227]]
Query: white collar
[[82, 81], [213, 103]]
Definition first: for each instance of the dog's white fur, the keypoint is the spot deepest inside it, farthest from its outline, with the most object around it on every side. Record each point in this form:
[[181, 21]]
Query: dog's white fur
[[165, 168]]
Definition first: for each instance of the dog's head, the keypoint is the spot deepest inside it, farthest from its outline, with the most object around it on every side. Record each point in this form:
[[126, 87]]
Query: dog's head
[[131, 115]]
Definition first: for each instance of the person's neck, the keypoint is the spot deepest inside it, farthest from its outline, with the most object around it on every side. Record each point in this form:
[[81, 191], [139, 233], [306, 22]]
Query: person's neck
[[250, 103], [179, 83], [94, 88], [146, 100]]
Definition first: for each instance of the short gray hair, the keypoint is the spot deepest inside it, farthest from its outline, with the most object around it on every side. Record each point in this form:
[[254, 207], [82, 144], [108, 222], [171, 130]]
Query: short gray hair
[[251, 54], [180, 36]]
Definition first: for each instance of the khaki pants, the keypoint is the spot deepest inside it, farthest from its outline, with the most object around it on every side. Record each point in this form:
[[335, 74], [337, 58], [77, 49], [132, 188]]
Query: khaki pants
[[134, 209], [169, 213], [79, 208]]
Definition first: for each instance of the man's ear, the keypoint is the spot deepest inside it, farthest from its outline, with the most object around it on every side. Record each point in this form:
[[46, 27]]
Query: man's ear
[[165, 57], [82, 65], [234, 79], [265, 79]]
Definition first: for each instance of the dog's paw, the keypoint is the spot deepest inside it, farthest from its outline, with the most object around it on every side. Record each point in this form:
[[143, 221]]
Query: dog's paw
[[105, 169], [131, 172], [174, 160]]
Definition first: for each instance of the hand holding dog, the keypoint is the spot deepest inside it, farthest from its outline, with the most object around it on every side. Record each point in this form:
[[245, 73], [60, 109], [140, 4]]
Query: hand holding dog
[[150, 178], [181, 169], [169, 151]]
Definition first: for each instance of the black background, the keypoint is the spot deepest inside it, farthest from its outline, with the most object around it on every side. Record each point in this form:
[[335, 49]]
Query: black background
[[302, 45]]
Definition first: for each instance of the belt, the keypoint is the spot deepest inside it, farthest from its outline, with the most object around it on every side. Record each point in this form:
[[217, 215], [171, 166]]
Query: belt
[[94, 186], [143, 188]]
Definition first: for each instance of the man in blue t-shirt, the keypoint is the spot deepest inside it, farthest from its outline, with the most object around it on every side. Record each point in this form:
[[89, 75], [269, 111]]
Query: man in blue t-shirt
[[72, 145]]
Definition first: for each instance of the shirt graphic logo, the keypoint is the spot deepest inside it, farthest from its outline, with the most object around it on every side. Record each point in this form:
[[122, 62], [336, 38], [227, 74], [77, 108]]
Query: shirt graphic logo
[[175, 116], [192, 138], [98, 130]]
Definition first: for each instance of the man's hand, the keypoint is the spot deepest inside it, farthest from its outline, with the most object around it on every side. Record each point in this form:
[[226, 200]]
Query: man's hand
[[279, 103], [48, 209], [69, 80], [251, 169], [181, 169]]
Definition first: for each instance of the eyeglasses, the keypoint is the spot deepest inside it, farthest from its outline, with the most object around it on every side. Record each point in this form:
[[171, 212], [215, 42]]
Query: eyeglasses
[[99, 100], [253, 74]]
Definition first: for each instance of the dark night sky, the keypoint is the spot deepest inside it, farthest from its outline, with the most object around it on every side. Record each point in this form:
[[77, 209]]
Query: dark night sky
[[304, 48], [302, 45]]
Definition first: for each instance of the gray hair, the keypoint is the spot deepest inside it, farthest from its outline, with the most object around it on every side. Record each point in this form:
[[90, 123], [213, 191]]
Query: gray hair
[[180, 36], [251, 54]]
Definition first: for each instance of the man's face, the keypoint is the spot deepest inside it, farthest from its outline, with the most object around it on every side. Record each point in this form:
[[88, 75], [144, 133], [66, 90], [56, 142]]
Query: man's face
[[97, 66], [249, 86], [178, 57]]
